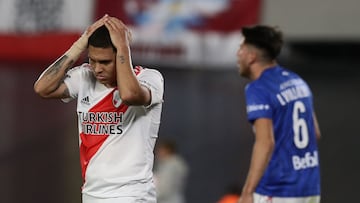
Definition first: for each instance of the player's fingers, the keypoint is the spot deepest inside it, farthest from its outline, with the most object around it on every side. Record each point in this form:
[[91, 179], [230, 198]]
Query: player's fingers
[[120, 25], [110, 24], [116, 23], [96, 25], [100, 22]]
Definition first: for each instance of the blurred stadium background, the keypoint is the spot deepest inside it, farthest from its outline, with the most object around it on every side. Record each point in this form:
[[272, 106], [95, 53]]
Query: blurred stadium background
[[193, 43]]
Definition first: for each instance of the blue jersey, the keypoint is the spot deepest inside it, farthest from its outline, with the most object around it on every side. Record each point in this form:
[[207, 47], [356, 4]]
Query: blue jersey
[[286, 99]]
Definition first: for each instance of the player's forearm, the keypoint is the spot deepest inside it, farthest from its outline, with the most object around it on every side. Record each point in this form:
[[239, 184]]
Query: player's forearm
[[54, 75], [261, 155], [129, 87]]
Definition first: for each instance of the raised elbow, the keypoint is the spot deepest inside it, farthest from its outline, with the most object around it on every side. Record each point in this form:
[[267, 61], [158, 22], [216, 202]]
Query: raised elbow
[[40, 91], [133, 98], [130, 98], [37, 89]]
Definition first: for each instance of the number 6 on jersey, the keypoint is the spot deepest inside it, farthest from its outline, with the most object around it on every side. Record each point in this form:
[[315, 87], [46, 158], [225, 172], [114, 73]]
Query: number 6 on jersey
[[301, 136]]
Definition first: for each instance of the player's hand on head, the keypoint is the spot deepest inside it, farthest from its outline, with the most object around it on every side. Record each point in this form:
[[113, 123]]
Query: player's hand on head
[[120, 34], [82, 42], [100, 22]]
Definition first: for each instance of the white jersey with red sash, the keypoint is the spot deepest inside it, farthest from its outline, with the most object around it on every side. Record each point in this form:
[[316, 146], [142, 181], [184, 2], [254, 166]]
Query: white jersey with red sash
[[116, 140]]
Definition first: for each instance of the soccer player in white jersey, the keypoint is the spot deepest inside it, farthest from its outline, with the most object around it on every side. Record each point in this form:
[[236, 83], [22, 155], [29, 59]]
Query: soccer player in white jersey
[[284, 166], [119, 109]]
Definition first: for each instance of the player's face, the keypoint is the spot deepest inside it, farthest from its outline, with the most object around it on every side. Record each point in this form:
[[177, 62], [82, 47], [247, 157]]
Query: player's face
[[103, 64], [242, 60]]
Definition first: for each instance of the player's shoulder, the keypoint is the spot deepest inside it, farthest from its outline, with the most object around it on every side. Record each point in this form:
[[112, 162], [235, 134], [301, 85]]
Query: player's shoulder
[[85, 68], [141, 70], [256, 87], [264, 85], [286, 72]]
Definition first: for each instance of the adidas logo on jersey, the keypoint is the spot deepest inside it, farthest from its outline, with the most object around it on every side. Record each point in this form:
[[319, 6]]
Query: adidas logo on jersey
[[85, 100]]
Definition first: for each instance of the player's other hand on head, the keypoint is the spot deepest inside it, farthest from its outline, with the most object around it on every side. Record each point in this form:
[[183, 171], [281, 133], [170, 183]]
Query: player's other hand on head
[[120, 34]]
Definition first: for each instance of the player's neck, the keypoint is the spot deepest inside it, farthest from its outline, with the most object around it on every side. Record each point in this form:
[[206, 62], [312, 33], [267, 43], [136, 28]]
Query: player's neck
[[259, 68]]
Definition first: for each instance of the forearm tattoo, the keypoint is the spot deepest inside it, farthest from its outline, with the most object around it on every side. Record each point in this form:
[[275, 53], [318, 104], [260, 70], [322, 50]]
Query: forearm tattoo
[[59, 64], [54, 69], [63, 63]]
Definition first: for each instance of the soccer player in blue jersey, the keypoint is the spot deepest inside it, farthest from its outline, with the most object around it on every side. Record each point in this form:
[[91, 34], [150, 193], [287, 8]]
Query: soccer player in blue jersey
[[284, 165]]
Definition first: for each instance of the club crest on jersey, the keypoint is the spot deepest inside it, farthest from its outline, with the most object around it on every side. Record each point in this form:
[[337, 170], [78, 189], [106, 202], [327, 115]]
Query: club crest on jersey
[[116, 99]]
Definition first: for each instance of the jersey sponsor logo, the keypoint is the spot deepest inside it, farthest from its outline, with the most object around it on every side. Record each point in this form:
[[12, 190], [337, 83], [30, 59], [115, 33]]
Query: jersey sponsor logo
[[101, 123], [85, 100], [257, 107], [309, 160], [101, 129]]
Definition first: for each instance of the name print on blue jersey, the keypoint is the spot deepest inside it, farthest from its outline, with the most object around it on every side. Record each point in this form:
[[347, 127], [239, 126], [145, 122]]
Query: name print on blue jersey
[[292, 90], [101, 123]]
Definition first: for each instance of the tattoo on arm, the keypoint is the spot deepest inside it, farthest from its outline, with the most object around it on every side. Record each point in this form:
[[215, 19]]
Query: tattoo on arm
[[122, 59], [56, 70], [60, 63], [66, 93]]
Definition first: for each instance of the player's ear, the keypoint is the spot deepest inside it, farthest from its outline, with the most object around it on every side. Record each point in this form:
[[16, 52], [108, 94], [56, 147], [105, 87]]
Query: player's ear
[[252, 55]]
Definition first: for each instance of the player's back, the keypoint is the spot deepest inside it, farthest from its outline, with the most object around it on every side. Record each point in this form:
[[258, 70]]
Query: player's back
[[287, 100]]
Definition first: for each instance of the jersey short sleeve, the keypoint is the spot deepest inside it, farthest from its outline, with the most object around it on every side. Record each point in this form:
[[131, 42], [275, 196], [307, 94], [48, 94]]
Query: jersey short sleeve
[[258, 104], [154, 81], [73, 78]]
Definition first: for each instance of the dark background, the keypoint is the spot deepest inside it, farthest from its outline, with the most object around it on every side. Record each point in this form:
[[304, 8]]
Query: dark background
[[204, 112]]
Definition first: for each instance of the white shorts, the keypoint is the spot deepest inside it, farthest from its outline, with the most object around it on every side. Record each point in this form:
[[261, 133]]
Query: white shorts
[[267, 199], [91, 199]]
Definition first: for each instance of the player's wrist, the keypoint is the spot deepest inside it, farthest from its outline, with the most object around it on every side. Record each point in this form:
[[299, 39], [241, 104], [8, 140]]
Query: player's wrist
[[248, 189], [82, 42], [78, 47], [122, 49]]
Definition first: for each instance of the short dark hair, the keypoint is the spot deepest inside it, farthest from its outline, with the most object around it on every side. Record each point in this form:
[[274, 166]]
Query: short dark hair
[[269, 39], [101, 38]]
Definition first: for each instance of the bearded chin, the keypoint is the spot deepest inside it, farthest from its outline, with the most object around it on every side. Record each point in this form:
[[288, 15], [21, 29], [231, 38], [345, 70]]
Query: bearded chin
[[244, 71]]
